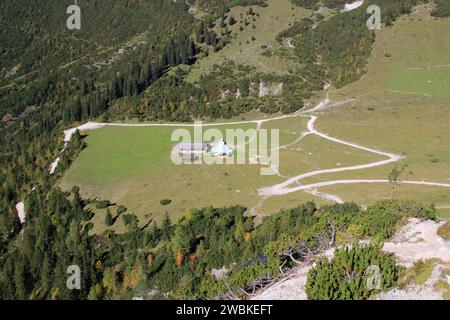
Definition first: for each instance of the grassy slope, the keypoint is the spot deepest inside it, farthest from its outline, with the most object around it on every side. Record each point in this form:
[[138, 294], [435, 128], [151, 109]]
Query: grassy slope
[[133, 168], [273, 19], [408, 123], [433, 81], [36, 41], [445, 213]]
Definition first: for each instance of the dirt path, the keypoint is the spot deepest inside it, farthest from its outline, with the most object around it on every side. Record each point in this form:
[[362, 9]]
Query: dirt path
[[283, 188], [289, 187], [97, 125], [323, 195], [267, 192]]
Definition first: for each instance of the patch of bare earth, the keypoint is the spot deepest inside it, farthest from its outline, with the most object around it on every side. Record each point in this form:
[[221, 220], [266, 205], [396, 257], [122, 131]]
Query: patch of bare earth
[[292, 286], [419, 240], [426, 291]]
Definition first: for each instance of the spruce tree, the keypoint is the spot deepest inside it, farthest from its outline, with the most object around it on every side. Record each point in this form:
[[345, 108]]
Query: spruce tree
[[199, 32], [166, 228], [109, 221]]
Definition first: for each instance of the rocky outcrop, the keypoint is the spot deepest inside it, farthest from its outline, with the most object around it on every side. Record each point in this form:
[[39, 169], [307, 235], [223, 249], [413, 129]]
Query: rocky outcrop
[[260, 90], [270, 89]]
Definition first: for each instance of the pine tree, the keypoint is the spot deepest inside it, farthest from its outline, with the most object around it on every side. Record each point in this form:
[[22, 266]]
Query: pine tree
[[184, 55], [116, 88], [146, 74], [166, 228], [86, 107], [171, 55], [191, 48], [76, 109], [20, 278], [222, 21], [45, 276], [131, 87], [200, 32], [109, 221], [66, 115], [165, 59]]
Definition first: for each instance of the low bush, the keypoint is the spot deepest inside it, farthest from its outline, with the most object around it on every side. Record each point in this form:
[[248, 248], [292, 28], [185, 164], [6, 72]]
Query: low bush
[[353, 274], [165, 202]]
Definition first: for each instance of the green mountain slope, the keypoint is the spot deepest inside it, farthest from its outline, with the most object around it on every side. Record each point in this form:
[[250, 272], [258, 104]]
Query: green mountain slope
[[35, 36], [135, 60]]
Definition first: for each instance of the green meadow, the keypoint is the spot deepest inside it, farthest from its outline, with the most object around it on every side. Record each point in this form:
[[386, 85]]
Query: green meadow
[[400, 106], [132, 166], [445, 213], [434, 81]]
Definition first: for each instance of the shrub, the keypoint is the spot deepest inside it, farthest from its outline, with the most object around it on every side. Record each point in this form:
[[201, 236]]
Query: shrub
[[380, 220], [444, 231], [130, 220], [165, 202], [109, 221], [102, 204], [348, 276], [442, 9], [121, 209]]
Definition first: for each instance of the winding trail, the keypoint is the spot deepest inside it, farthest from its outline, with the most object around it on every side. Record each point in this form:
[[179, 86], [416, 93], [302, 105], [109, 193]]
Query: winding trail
[[283, 188], [351, 181], [323, 195], [289, 187]]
